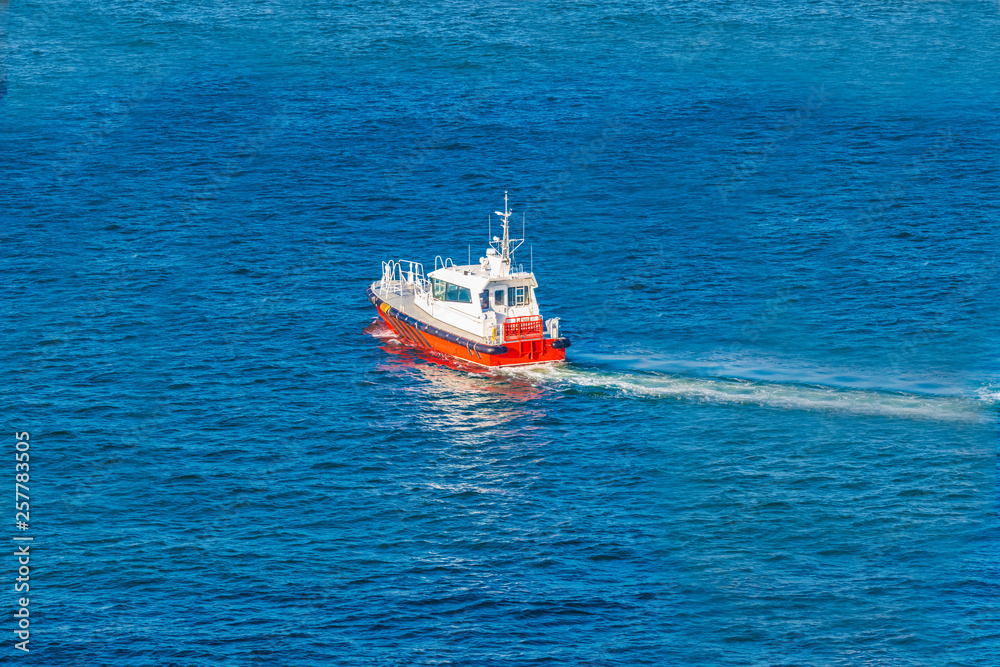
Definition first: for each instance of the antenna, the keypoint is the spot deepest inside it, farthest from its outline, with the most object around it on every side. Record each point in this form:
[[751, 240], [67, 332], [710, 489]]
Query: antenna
[[505, 244], [531, 249], [470, 254]]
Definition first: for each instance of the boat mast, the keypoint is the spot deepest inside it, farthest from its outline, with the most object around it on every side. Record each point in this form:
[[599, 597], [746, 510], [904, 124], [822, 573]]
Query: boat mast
[[505, 244]]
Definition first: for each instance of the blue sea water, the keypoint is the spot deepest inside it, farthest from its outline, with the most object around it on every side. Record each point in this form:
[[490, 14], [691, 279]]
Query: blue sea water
[[770, 230]]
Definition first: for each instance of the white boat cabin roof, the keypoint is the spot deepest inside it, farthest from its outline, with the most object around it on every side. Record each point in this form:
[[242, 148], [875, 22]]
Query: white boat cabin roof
[[477, 278]]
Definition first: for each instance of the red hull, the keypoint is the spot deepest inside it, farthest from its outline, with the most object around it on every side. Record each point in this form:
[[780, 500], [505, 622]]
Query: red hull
[[518, 353]]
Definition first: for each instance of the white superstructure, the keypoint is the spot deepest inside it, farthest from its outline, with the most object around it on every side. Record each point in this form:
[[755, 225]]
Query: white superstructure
[[476, 298]]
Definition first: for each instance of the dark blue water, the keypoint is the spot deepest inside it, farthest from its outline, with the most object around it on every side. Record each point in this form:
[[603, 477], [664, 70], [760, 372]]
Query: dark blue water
[[770, 232]]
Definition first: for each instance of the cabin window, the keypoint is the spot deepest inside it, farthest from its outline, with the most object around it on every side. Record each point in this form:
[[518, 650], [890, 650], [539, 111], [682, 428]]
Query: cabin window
[[518, 296], [498, 297], [484, 299], [447, 292]]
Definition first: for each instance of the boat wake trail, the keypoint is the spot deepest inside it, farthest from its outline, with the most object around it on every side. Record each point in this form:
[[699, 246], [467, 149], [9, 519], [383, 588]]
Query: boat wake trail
[[779, 395]]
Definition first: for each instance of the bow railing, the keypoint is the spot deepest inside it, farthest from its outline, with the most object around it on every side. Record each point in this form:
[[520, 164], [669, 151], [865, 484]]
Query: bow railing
[[396, 275]]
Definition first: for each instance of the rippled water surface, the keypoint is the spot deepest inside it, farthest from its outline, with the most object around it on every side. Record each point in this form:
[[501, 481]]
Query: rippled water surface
[[770, 232]]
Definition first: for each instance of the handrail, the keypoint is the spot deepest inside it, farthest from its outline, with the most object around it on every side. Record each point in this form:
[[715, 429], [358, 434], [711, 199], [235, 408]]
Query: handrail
[[444, 262], [389, 283], [395, 277], [523, 328], [472, 318]]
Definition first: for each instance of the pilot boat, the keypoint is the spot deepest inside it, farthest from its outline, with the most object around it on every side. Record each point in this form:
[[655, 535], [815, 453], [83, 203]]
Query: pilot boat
[[485, 313]]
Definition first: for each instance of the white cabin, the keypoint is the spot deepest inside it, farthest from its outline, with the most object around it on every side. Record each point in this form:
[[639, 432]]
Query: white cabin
[[471, 299]]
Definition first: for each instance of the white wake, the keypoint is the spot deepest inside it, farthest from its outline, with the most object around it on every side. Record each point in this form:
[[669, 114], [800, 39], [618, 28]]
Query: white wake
[[781, 395]]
